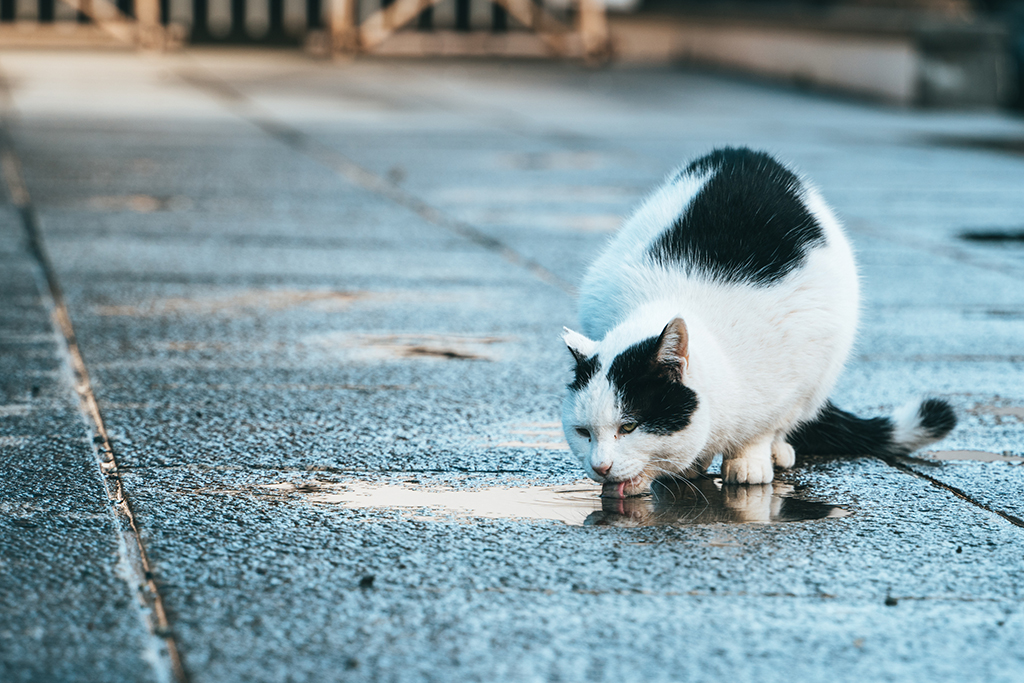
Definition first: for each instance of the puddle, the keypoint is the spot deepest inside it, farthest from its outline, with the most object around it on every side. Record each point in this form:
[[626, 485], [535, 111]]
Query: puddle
[[992, 143], [707, 501], [540, 194], [15, 409], [1000, 313], [382, 346], [234, 303], [554, 161], [671, 503], [550, 220], [140, 203], [943, 358], [1000, 412], [976, 456], [993, 236]]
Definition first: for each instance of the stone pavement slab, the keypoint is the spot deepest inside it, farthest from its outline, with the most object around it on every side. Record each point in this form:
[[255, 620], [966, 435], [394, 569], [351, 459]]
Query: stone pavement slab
[[292, 280], [68, 609]]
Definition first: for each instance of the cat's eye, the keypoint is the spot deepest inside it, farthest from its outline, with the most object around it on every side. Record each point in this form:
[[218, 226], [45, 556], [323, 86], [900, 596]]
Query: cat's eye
[[585, 433], [627, 428]]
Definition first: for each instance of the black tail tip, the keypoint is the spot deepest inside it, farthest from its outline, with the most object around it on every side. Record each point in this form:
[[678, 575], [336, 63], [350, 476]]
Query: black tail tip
[[937, 417]]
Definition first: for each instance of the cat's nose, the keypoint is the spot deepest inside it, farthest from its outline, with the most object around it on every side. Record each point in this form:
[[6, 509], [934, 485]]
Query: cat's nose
[[602, 470]]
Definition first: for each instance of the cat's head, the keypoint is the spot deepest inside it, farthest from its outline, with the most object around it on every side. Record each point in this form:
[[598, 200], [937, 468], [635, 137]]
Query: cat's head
[[632, 414]]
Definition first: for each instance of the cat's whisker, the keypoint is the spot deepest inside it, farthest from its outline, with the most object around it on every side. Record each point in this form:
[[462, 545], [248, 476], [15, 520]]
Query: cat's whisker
[[675, 476], [696, 489]]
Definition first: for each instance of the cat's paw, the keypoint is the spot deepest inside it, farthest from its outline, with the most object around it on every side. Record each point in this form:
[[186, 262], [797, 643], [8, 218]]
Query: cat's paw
[[749, 503], [783, 455], [747, 471]]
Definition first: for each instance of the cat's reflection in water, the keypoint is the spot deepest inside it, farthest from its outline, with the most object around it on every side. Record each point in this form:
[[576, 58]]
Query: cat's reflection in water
[[674, 502]]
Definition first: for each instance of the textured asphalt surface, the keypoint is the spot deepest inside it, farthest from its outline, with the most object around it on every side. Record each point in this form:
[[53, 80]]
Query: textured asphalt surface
[[287, 277]]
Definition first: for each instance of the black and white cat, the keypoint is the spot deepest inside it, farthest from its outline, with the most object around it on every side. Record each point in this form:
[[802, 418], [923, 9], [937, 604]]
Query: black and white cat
[[718, 320]]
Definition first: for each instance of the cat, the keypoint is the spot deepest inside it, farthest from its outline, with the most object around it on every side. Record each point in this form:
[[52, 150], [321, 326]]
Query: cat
[[717, 321]]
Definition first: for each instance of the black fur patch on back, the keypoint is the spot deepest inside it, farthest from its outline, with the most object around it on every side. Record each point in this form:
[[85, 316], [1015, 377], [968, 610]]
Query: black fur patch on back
[[585, 370], [648, 392], [747, 224]]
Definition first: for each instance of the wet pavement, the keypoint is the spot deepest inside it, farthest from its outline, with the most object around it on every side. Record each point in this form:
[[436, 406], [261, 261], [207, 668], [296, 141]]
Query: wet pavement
[[671, 503], [318, 308]]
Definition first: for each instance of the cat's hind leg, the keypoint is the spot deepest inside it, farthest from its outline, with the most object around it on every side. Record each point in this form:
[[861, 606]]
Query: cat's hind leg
[[751, 464], [783, 454]]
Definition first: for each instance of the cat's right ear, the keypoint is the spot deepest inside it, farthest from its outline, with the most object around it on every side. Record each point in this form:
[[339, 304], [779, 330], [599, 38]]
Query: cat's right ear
[[674, 346], [580, 347]]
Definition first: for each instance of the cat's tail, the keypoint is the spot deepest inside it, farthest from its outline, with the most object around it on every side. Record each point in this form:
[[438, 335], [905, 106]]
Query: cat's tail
[[837, 432]]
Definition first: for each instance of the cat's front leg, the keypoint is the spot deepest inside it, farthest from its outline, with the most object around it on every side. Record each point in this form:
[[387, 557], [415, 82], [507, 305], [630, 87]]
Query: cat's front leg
[[751, 464], [748, 503], [783, 454], [697, 469]]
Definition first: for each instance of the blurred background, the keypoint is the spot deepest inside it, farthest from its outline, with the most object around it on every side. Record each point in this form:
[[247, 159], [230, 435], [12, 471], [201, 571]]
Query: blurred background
[[920, 52]]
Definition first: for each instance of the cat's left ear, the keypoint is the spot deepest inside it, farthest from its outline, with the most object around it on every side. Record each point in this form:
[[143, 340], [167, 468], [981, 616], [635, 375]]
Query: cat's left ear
[[674, 347], [580, 347]]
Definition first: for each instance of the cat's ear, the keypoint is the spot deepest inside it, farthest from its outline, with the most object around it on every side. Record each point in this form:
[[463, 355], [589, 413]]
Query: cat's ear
[[674, 346], [580, 347]]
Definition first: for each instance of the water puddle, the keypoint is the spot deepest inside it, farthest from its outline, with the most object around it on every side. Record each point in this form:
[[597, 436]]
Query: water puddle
[[140, 203], [671, 503], [545, 219], [554, 161], [995, 235], [367, 347], [992, 143], [976, 456], [1001, 412], [521, 195], [237, 302]]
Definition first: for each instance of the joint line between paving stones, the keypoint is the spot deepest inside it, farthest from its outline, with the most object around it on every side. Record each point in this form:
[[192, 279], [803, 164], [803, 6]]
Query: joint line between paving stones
[[1012, 519], [240, 104], [313, 469], [21, 199]]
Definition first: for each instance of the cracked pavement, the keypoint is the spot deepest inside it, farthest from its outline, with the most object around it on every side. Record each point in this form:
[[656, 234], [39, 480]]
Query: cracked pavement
[[289, 278]]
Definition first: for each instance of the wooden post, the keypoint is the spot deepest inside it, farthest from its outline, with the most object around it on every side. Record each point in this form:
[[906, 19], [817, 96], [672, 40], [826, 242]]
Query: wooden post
[[105, 15], [341, 23], [147, 14], [85, 13], [524, 11], [593, 27]]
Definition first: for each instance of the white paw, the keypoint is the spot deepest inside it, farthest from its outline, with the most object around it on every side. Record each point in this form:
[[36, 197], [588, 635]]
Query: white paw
[[783, 455], [747, 471], [749, 503]]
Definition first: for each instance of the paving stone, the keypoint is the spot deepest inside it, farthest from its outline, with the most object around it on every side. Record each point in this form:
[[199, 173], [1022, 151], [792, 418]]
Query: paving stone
[[67, 612]]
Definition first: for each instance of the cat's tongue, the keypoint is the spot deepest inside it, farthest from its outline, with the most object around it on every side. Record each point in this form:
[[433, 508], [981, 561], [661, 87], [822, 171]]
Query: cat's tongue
[[613, 489]]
